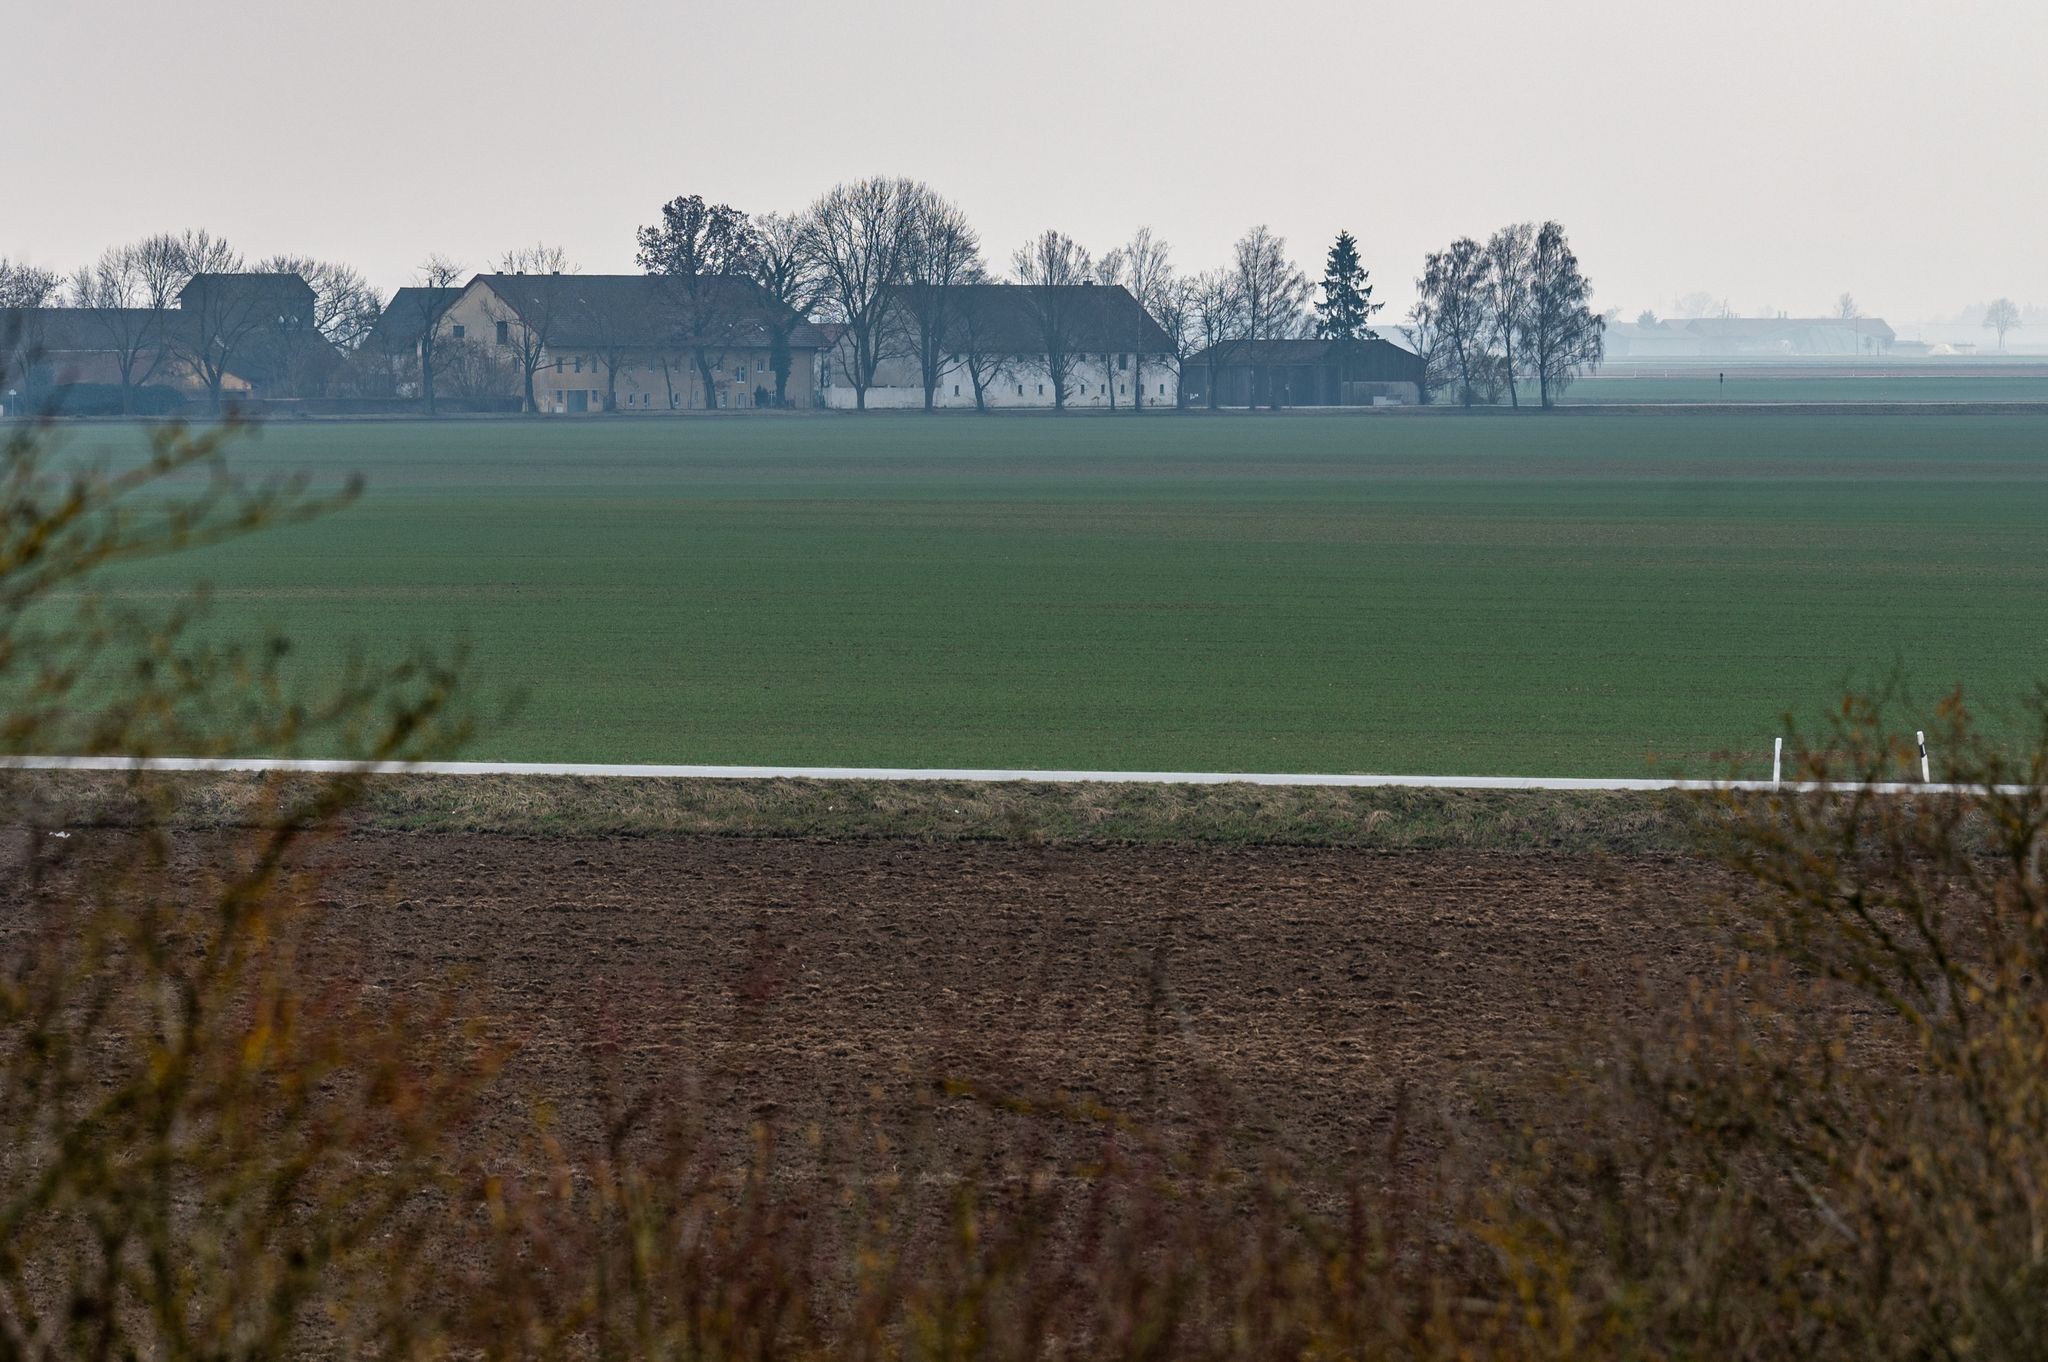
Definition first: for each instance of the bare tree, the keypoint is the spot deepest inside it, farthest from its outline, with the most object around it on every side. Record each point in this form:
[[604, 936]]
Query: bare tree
[[27, 286], [1426, 339], [345, 308], [1215, 306], [2002, 316], [1507, 289], [616, 328], [1698, 303], [1148, 273], [788, 278], [941, 255], [1272, 297], [1051, 268], [982, 335], [1109, 273], [857, 236], [529, 327], [161, 270], [703, 250], [1846, 308], [432, 282], [1563, 338], [126, 313], [216, 325], [1173, 307], [473, 368], [1452, 302], [345, 305]]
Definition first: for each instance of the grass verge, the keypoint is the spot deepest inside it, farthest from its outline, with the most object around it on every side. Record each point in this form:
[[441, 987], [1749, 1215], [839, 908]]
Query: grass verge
[[1382, 819]]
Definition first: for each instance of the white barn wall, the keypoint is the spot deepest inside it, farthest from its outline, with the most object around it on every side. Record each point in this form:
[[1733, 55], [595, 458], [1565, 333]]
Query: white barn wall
[[899, 386]]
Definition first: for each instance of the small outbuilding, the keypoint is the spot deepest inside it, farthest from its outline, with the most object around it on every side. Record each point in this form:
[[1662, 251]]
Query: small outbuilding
[[1302, 373]]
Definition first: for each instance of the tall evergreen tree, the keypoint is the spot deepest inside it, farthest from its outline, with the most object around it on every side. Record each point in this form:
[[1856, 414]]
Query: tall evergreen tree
[[1344, 312]]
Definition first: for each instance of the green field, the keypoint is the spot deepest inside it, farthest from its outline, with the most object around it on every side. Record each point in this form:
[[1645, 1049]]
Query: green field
[[1750, 384], [1571, 595]]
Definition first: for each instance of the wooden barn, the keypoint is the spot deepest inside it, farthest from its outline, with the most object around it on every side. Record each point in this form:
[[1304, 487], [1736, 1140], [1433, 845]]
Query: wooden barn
[[1302, 373]]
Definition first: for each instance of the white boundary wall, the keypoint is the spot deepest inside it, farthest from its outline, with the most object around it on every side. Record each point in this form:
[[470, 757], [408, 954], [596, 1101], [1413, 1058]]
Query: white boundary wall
[[484, 768]]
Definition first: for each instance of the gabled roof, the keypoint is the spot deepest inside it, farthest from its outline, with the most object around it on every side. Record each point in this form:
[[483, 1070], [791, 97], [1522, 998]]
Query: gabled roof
[[283, 290], [406, 318], [648, 311], [60, 330], [1009, 317], [1375, 357]]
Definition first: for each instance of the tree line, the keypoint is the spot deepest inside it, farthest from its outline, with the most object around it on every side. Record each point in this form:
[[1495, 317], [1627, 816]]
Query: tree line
[[887, 259], [1516, 308]]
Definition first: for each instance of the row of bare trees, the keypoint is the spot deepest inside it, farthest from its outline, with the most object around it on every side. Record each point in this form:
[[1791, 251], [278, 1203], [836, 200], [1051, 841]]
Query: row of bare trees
[[894, 263], [1514, 308]]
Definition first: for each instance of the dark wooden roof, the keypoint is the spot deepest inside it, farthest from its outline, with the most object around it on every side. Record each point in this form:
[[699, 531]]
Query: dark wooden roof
[[1095, 318], [1375, 360], [646, 310]]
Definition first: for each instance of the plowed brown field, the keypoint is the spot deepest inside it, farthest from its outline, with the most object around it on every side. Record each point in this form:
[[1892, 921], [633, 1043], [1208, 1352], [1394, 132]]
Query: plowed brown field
[[1300, 991]]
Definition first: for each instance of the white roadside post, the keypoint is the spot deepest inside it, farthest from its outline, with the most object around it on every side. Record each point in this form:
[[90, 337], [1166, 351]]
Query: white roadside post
[[1920, 737], [1777, 761]]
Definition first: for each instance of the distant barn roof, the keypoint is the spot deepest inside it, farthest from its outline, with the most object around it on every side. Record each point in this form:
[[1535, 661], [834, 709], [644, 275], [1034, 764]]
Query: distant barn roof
[[640, 310], [1376, 359], [283, 290], [1104, 318], [1760, 328]]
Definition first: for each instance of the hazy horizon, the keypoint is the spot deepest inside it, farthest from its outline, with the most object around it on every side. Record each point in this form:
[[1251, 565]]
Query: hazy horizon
[[1772, 155]]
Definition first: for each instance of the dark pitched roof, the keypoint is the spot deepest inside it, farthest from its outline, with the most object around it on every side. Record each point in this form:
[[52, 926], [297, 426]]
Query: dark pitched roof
[[288, 293], [61, 330], [406, 318], [1373, 359], [645, 310], [1095, 317]]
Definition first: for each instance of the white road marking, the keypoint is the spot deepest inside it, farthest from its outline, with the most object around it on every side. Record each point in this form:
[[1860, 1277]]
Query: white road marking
[[887, 773]]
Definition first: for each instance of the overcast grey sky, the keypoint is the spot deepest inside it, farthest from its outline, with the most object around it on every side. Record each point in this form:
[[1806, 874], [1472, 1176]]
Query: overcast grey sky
[[1773, 151]]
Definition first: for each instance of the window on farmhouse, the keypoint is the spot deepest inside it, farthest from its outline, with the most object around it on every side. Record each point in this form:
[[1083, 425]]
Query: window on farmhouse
[[460, 330], [579, 364], [504, 333], [558, 364], [1123, 361]]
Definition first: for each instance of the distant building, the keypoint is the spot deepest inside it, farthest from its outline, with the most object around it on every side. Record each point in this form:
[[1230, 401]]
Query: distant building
[[395, 337], [1650, 340], [639, 342], [1112, 353], [1749, 337], [253, 332], [1303, 373]]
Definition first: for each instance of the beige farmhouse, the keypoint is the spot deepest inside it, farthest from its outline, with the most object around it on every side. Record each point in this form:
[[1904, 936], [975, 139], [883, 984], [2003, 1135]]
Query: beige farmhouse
[[627, 343]]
